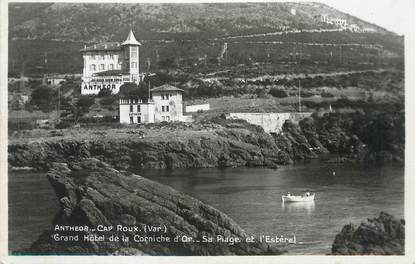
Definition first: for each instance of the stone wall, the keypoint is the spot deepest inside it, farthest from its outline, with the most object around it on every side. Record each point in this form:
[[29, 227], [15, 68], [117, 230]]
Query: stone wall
[[195, 108], [270, 122]]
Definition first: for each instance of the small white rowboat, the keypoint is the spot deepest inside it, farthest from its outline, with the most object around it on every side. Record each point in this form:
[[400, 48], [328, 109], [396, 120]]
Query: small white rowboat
[[298, 198]]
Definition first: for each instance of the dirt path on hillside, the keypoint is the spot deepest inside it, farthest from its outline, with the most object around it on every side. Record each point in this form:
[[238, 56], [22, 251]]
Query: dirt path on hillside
[[295, 76], [294, 31]]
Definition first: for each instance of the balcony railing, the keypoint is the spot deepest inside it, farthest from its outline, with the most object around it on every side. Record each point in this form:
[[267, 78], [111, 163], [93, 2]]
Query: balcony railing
[[135, 101]]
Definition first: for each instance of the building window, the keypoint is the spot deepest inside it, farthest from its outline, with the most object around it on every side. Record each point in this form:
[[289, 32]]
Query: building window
[[138, 108], [133, 65], [163, 118], [111, 56], [162, 108], [102, 67], [162, 97], [167, 118], [131, 108], [131, 120], [138, 119], [111, 66], [133, 52], [93, 67], [167, 108]]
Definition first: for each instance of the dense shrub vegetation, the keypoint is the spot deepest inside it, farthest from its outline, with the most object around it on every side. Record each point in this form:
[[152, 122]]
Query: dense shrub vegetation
[[278, 93], [44, 98], [382, 133]]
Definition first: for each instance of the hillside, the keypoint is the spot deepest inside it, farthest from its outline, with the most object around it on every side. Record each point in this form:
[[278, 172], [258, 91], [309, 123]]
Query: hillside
[[193, 36], [101, 22]]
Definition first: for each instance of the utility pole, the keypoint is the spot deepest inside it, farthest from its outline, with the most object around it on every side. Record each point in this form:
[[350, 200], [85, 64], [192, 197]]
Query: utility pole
[[299, 95], [226, 57], [46, 59], [149, 89], [22, 83], [59, 103], [148, 64]]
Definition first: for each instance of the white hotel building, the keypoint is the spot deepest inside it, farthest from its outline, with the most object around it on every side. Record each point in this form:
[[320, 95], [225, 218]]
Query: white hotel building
[[109, 65]]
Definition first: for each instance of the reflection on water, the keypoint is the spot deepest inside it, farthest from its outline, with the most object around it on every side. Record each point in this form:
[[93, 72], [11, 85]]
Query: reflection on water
[[32, 206], [251, 196], [299, 207]]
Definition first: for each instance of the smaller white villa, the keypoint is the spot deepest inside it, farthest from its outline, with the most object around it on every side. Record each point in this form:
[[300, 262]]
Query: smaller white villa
[[165, 104]]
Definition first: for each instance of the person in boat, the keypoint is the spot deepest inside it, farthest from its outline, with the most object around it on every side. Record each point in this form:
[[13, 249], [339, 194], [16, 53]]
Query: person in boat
[[307, 194], [288, 194]]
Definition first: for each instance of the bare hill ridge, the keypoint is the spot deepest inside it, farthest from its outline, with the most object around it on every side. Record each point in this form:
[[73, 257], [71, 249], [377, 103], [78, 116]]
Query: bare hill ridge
[[88, 22]]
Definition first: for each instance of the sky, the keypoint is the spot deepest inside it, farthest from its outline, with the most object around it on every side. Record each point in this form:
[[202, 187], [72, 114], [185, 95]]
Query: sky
[[393, 15]]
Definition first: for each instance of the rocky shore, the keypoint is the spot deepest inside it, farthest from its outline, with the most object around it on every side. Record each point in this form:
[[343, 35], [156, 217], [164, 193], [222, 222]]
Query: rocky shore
[[384, 235], [366, 138], [92, 194], [230, 144]]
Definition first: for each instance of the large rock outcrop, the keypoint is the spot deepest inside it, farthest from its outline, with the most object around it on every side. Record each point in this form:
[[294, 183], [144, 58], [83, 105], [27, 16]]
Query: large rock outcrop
[[299, 141], [374, 137], [91, 193], [235, 143], [384, 235], [219, 142]]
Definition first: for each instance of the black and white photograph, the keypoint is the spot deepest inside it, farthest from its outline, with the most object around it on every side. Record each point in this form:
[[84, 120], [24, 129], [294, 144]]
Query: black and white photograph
[[175, 129]]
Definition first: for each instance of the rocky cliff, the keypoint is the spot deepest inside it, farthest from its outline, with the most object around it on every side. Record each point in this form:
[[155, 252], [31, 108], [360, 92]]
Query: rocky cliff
[[230, 144], [300, 142], [94, 195], [384, 235], [372, 138]]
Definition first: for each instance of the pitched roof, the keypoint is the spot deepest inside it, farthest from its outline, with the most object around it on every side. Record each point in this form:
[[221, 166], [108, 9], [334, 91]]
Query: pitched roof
[[131, 40], [166, 88], [103, 46]]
